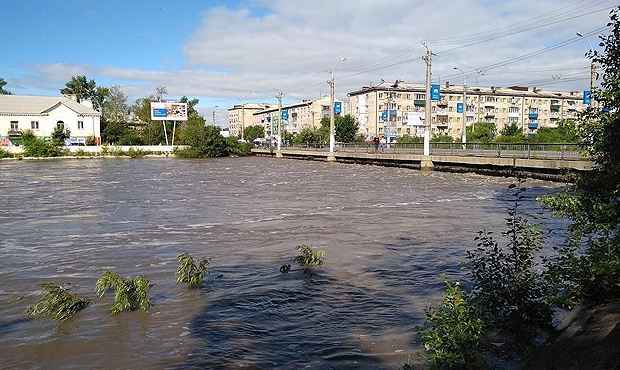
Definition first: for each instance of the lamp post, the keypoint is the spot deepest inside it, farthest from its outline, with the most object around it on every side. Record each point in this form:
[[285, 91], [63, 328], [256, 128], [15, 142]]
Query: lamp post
[[332, 126], [592, 67], [214, 108], [463, 126]]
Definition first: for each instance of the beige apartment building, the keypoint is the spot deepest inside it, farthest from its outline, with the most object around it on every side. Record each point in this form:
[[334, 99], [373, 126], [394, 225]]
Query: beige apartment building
[[241, 116], [529, 108], [306, 114]]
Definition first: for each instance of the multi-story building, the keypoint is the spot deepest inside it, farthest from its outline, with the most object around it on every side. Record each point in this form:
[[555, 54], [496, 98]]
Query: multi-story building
[[306, 114], [398, 109], [241, 116]]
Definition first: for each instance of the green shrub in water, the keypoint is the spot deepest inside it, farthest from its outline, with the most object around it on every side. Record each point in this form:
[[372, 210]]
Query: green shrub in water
[[308, 259], [130, 293], [452, 332], [191, 271], [57, 303]]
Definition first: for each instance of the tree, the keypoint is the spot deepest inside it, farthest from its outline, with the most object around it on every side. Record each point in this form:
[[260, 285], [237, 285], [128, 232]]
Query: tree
[[511, 134], [2, 85], [481, 132], [253, 132], [191, 105], [115, 108], [79, 87], [566, 132], [587, 271], [204, 141], [346, 128]]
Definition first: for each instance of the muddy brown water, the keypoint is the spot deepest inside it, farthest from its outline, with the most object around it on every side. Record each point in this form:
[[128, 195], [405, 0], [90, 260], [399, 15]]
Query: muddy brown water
[[388, 233]]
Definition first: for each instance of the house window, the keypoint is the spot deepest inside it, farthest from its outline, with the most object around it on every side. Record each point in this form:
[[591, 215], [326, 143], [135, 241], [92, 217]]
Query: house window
[[14, 125], [34, 125], [60, 124], [80, 125]]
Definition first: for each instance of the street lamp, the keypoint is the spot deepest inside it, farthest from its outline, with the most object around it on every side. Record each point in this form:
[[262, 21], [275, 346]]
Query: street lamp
[[332, 126], [463, 128], [592, 67], [214, 108]]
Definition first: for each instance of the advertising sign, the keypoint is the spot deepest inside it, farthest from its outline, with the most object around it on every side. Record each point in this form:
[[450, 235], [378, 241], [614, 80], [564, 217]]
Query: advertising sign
[[587, 98], [435, 93], [337, 107], [285, 115], [384, 116], [168, 111], [459, 107]]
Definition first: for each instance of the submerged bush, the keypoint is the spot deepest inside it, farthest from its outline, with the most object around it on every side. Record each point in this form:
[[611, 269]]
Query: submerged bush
[[57, 303], [508, 280], [130, 293], [452, 332], [136, 153], [308, 259], [191, 271]]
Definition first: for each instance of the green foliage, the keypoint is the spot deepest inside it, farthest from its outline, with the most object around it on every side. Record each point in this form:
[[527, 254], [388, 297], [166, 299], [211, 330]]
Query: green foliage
[[130, 293], [80, 87], [481, 132], [5, 154], [566, 132], [308, 259], [345, 128], [253, 132], [38, 147], [113, 131], [506, 281], [154, 133], [587, 270], [57, 303], [136, 153], [441, 138], [204, 141], [2, 85], [191, 271], [237, 149], [452, 332], [130, 136], [312, 136], [511, 134], [82, 153], [410, 140], [59, 135]]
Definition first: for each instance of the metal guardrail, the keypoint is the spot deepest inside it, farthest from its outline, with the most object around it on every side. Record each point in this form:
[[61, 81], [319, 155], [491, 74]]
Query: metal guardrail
[[562, 151]]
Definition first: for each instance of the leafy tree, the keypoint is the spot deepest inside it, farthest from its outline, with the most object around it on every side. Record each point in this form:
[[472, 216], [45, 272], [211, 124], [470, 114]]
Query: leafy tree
[[115, 108], [130, 293], [204, 141], [59, 135], [154, 133], [130, 136], [588, 269], [345, 127], [191, 105], [481, 132], [253, 132], [80, 87], [113, 131], [511, 134], [312, 136], [2, 85], [57, 303], [441, 138], [160, 93], [566, 132]]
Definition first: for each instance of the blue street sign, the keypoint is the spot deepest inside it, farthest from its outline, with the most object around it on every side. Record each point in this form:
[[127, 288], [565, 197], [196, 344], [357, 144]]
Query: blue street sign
[[384, 116], [284, 115], [337, 107], [435, 93], [587, 98], [459, 107]]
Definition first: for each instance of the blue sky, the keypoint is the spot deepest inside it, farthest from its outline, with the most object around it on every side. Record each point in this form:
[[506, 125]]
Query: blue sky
[[224, 52]]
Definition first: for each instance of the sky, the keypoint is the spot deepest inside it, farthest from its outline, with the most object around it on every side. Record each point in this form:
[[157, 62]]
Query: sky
[[228, 52]]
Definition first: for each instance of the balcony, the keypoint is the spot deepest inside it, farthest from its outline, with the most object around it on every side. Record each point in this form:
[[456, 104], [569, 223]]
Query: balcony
[[489, 104], [442, 112], [442, 124], [533, 125], [419, 102], [532, 115], [489, 114], [554, 107], [442, 103], [14, 132]]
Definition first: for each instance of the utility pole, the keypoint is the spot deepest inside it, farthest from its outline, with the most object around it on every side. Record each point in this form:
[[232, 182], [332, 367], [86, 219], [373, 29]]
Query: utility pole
[[279, 96], [242, 119], [332, 126], [214, 115], [427, 109], [463, 125]]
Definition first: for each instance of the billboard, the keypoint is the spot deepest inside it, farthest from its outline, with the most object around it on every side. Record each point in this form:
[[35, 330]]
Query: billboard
[[168, 111], [587, 97], [337, 107], [435, 92]]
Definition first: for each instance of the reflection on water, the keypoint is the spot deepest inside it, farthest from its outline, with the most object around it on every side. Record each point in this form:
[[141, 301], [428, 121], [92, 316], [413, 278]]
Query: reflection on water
[[387, 232]]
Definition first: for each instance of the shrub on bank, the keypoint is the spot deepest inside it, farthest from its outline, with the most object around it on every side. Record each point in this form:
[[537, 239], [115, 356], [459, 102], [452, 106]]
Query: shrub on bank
[[5, 154], [38, 147]]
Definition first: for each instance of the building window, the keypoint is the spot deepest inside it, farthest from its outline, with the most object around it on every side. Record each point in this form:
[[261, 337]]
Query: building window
[[34, 125], [80, 125], [14, 125], [60, 124], [513, 110]]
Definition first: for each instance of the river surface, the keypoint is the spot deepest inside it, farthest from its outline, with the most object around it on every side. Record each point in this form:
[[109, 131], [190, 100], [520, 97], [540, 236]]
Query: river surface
[[388, 233]]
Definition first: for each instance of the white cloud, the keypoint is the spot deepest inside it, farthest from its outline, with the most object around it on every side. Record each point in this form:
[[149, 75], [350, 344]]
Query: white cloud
[[291, 44]]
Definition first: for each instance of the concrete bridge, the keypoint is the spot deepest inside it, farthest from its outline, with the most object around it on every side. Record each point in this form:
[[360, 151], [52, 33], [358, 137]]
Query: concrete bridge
[[542, 161]]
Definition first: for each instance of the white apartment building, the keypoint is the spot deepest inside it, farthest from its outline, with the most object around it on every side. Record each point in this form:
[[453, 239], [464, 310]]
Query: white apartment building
[[528, 108], [306, 114], [241, 116], [41, 115]]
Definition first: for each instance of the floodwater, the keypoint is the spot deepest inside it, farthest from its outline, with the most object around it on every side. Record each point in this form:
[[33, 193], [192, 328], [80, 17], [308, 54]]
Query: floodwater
[[388, 233]]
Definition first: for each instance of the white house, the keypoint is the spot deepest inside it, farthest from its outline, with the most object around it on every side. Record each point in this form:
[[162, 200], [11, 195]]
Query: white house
[[42, 114]]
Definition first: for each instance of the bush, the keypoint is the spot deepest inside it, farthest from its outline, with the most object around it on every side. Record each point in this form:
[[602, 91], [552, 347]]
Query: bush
[[5, 154], [238, 149], [130, 293], [308, 259], [57, 303], [136, 153], [204, 141], [452, 332], [38, 147], [505, 281], [191, 271]]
